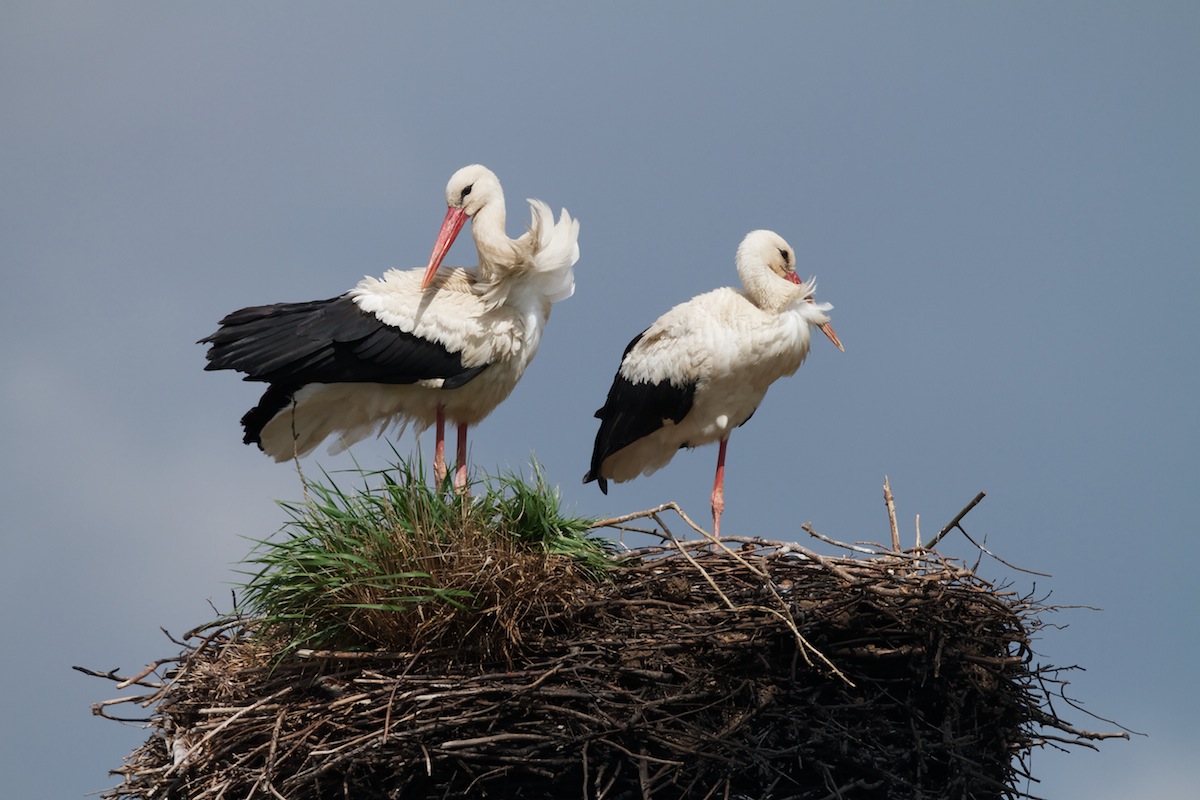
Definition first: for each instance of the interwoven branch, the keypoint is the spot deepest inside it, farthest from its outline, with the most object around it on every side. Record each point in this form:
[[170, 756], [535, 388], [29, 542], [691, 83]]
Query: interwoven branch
[[732, 668], [755, 669]]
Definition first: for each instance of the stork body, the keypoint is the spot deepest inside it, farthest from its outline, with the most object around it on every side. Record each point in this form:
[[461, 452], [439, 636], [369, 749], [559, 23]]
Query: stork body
[[702, 368], [416, 346]]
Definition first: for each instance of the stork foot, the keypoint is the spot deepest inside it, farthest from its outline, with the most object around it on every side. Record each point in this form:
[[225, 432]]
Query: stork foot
[[439, 448], [460, 481], [718, 506], [718, 492]]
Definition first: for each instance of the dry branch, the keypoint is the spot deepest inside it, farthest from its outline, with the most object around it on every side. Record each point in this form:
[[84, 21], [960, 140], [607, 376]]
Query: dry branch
[[889, 501], [954, 523]]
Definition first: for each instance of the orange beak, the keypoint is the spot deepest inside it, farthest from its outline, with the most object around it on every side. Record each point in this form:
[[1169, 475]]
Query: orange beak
[[825, 327], [451, 225]]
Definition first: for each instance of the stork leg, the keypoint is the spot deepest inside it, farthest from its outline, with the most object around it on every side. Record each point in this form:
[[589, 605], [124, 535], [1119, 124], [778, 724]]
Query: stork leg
[[460, 472], [718, 492], [439, 448]]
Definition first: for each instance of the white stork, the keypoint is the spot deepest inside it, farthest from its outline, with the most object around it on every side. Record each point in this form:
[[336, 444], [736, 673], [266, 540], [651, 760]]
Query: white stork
[[415, 346], [703, 367]]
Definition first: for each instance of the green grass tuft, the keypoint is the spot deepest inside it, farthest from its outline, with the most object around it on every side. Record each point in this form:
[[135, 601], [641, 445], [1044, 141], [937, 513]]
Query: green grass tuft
[[399, 565]]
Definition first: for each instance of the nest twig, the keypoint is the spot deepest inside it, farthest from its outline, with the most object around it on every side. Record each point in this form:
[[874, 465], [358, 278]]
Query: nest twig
[[757, 669]]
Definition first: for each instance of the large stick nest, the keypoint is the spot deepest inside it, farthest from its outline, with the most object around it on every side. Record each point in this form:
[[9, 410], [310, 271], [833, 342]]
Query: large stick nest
[[758, 670]]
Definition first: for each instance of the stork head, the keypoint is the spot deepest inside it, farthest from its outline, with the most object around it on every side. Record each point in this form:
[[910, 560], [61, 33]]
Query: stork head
[[468, 192], [763, 258]]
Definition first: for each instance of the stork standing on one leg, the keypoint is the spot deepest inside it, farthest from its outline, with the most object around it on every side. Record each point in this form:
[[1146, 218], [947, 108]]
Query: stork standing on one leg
[[703, 367], [418, 346]]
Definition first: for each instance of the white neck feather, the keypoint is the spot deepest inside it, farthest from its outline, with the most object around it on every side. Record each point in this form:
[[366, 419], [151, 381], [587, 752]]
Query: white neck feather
[[767, 290]]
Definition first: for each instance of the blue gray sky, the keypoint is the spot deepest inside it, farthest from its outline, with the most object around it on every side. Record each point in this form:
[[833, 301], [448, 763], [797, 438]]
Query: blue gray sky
[[1000, 199]]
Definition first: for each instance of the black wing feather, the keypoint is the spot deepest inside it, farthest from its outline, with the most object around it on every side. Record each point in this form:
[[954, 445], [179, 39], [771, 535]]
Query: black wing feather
[[289, 345], [328, 341], [633, 411], [276, 398]]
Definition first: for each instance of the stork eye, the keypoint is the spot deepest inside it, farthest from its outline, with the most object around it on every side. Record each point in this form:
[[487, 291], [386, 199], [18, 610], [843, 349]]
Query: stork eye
[[784, 253], [467, 191]]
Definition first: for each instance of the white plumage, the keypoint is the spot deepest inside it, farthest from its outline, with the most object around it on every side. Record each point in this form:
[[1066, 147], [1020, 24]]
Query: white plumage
[[413, 347], [704, 366]]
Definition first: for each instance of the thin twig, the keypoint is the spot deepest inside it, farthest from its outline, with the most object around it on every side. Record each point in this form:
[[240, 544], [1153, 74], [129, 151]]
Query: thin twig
[[614, 521], [137, 679], [808, 528], [952, 524], [1010, 565]]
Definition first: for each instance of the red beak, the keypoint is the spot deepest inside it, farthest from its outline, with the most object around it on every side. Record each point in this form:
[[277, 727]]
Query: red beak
[[451, 225]]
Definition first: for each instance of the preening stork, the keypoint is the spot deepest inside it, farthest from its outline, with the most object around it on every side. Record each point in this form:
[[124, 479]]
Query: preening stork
[[703, 367], [417, 346]]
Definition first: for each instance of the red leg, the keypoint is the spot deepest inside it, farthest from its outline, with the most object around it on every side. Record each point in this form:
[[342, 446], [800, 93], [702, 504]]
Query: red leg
[[460, 473], [718, 492], [439, 448]]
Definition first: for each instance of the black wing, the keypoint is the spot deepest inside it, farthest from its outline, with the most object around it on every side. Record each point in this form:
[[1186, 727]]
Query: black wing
[[289, 345], [328, 341], [633, 411]]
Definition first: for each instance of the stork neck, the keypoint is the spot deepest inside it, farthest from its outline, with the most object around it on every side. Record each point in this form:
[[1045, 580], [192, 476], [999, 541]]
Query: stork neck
[[768, 291], [491, 240]]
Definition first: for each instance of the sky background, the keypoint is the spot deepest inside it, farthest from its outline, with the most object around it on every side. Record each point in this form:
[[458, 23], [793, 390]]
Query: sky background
[[1002, 201]]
